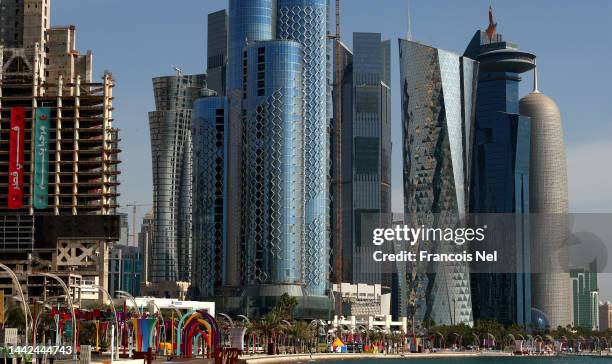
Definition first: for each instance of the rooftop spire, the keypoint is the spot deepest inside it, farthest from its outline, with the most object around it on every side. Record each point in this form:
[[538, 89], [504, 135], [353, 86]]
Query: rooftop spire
[[409, 34], [492, 28], [535, 77]]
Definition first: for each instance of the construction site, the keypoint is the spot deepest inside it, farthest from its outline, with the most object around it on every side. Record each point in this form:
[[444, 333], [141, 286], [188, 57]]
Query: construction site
[[67, 231]]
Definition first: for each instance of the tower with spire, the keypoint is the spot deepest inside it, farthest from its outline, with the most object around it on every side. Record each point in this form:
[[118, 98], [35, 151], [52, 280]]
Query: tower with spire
[[500, 171], [548, 203]]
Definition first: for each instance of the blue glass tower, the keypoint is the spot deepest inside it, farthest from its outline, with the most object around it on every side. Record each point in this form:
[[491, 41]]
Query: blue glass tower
[[500, 173], [305, 21], [273, 165], [249, 21], [210, 259]]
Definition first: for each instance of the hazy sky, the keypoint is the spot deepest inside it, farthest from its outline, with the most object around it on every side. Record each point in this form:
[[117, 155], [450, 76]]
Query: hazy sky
[[141, 39]]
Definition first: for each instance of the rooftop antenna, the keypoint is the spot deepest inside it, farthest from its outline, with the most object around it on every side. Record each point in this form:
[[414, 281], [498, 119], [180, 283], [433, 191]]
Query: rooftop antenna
[[179, 72], [535, 78], [409, 35]]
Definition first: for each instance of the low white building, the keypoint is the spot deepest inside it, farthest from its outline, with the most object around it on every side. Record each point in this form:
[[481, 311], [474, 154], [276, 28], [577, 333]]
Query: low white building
[[362, 300]]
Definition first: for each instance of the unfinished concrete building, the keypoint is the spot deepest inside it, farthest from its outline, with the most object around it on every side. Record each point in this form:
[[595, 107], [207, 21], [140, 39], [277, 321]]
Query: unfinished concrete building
[[68, 230]]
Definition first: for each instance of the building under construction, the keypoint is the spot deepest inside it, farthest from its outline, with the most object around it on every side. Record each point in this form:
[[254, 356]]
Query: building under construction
[[58, 177]]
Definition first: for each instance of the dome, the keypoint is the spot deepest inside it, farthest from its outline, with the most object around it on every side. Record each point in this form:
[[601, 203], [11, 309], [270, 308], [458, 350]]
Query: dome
[[538, 105]]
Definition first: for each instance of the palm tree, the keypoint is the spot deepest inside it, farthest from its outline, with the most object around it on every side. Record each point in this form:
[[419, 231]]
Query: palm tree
[[300, 333], [270, 325]]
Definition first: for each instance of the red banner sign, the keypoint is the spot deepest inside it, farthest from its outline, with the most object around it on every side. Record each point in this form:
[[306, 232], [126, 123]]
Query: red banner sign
[[15, 193]]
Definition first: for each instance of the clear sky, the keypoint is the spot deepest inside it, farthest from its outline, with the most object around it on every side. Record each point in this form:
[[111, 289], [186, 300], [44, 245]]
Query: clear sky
[[141, 39]]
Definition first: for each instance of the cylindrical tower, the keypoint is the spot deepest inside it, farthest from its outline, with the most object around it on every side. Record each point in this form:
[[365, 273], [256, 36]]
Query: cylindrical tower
[[305, 21], [273, 171], [549, 207], [249, 21], [170, 147]]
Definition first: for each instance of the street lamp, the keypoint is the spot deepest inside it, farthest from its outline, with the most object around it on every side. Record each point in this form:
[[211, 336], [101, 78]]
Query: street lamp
[[37, 321], [124, 294], [71, 304], [110, 298], [26, 309]]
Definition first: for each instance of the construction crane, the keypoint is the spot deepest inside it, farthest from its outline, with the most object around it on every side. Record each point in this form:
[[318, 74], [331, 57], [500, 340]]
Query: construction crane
[[134, 205]]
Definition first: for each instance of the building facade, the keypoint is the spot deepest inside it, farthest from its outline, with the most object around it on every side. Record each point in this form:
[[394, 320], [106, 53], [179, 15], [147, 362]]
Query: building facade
[[145, 240], [305, 21], [249, 21], [585, 297], [217, 52], [342, 263], [124, 270], [210, 258], [58, 212], [500, 175], [170, 129], [362, 300], [605, 316], [548, 204], [366, 154], [438, 104], [273, 213]]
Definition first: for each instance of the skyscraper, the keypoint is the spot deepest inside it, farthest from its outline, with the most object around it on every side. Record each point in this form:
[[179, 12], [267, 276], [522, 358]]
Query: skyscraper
[[548, 203], [585, 297], [210, 257], [145, 237], [305, 21], [249, 21], [170, 127], [500, 174], [217, 52], [273, 183], [341, 261], [278, 198], [438, 101], [366, 153]]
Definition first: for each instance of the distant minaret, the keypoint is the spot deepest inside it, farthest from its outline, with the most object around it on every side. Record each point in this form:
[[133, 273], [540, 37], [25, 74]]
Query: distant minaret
[[548, 204]]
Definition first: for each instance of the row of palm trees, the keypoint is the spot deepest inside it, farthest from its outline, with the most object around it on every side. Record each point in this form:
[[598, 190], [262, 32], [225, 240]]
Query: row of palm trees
[[295, 336]]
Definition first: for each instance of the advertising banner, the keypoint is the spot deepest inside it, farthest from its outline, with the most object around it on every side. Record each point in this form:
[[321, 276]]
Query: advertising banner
[[41, 157], [17, 136]]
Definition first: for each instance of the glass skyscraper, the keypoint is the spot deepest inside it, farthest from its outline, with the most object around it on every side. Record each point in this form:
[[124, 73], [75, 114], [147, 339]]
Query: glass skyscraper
[[217, 52], [438, 100], [366, 153], [305, 21], [585, 297], [249, 21], [500, 174], [210, 258], [273, 164], [170, 127]]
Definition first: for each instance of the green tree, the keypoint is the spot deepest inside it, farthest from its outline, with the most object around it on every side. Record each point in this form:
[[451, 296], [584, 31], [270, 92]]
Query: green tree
[[285, 307]]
